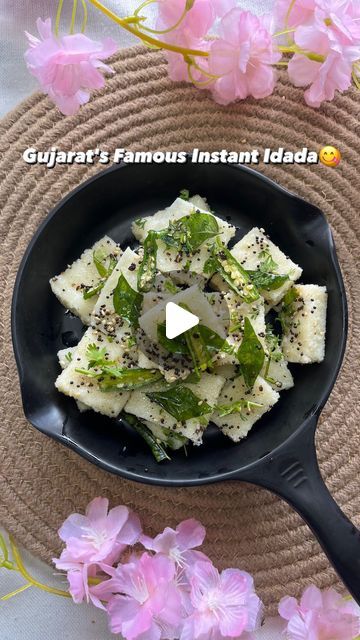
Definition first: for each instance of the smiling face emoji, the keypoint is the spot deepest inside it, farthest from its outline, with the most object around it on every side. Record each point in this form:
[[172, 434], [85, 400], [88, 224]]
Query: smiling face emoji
[[330, 156]]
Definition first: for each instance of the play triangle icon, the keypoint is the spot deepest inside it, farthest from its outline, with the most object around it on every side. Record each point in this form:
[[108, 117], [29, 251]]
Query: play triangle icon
[[178, 320]]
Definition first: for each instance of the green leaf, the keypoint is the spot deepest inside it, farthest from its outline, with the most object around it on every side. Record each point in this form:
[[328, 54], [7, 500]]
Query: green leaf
[[180, 402], [287, 308], [267, 263], [267, 281], [174, 345], [140, 222], [213, 341], [184, 194], [127, 302], [237, 407], [155, 446], [96, 356], [100, 258], [190, 232], [250, 355], [147, 268], [223, 262], [198, 350]]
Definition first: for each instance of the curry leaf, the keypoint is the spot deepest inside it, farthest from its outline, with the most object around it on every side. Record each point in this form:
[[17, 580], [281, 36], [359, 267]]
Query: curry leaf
[[180, 402], [269, 281], [250, 355], [190, 232], [127, 302], [155, 446]]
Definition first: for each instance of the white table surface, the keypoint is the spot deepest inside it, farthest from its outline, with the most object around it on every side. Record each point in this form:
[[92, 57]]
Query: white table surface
[[34, 614]]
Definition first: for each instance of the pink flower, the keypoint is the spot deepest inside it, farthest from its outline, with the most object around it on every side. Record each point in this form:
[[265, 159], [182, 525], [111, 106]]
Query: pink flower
[[291, 15], [67, 68], [145, 603], [190, 32], [98, 536], [320, 616], [332, 44], [243, 57], [78, 578], [225, 605], [178, 543]]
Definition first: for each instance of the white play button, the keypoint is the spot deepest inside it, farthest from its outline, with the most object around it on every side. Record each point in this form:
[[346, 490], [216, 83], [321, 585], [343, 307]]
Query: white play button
[[178, 320]]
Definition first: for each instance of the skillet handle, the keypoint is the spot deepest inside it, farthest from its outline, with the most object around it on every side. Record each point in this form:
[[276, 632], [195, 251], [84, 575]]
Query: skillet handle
[[293, 473]]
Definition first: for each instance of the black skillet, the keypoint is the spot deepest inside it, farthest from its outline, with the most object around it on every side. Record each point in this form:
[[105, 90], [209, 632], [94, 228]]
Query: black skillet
[[279, 453]]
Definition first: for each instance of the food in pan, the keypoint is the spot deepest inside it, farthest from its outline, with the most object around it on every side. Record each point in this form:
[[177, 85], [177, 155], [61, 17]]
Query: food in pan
[[229, 369]]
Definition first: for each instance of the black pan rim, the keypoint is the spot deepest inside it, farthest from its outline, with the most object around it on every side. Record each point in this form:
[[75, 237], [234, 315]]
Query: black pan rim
[[143, 477]]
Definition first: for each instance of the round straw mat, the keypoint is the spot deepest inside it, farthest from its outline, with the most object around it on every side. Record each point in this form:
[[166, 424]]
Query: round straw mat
[[141, 109]]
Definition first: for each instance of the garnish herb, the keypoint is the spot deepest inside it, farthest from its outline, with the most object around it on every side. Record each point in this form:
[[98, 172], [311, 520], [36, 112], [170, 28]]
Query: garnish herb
[[68, 356], [264, 277], [198, 350], [174, 440], [184, 194], [178, 345], [237, 407], [224, 263], [127, 302], [105, 265], [155, 446], [287, 308], [274, 352], [147, 268], [250, 355], [174, 345], [170, 286], [110, 375], [189, 232], [180, 402], [140, 222]]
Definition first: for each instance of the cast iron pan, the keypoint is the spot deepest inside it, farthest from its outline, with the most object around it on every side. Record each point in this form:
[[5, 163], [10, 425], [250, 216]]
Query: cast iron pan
[[279, 453]]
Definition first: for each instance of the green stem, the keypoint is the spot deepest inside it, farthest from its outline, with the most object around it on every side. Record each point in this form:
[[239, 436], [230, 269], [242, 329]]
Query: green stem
[[73, 17], [124, 22], [160, 31], [29, 579], [58, 16], [15, 593], [84, 22]]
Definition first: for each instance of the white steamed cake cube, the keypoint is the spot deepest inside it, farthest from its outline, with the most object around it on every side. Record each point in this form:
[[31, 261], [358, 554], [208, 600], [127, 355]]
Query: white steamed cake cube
[[237, 425], [198, 305], [158, 432], [68, 286], [279, 375], [168, 258], [248, 253], [104, 317], [199, 202], [86, 389], [65, 357], [304, 336], [208, 389]]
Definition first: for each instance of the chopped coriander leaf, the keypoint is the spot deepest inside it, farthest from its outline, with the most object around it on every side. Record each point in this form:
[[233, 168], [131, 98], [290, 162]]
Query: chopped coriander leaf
[[140, 222], [188, 233], [156, 447], [68, 356], [170, 286], [250, 355], [184, 194], [105, 265], [223, 262], [147, 268], [96, 356], [180, 402], [127, 302], [264, 277], [240, 406]]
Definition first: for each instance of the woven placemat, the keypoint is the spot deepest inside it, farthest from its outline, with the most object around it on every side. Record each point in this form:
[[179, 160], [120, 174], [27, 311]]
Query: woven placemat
[[42, 481]]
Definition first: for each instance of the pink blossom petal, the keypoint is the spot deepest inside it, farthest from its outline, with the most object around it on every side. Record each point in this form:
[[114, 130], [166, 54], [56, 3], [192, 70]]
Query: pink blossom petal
[[288, 607], [190, 534], [44, 28], [302, 71]]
